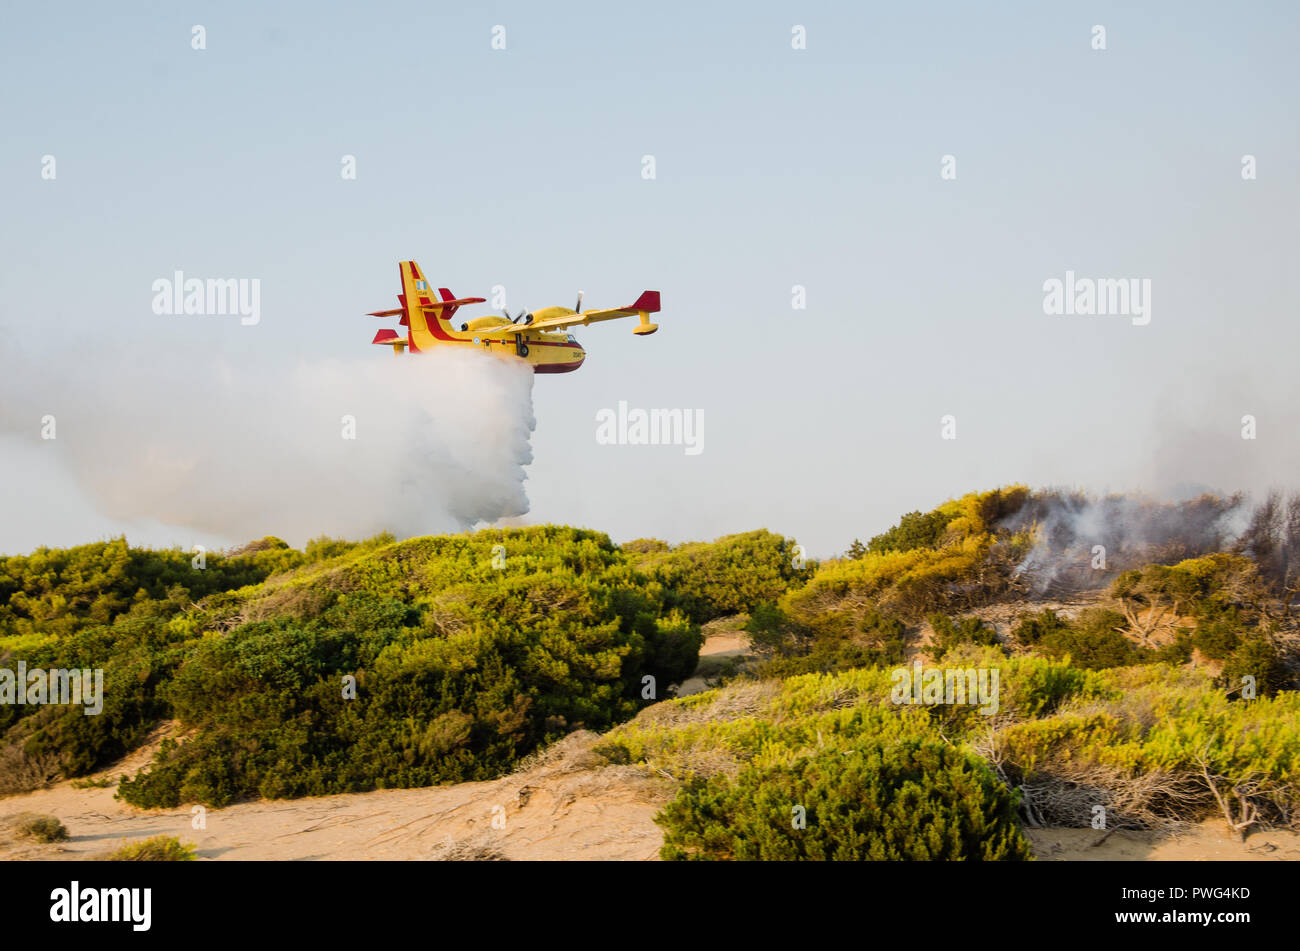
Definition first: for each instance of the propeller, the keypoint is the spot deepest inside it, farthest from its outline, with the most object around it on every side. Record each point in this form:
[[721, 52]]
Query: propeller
[[518, 317], [577, 309]]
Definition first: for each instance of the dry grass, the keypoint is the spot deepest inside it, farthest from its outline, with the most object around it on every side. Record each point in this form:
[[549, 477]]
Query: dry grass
[[726, 703], [21, 771], [160, 848], [476, 850], [1159, 800]]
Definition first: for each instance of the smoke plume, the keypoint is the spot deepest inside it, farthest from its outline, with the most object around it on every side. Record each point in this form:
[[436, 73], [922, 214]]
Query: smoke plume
[[1074, 533], [428, 443]]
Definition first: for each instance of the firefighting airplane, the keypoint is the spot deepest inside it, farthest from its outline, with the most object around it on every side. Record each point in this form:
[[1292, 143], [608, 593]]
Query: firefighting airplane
[[530, 336]]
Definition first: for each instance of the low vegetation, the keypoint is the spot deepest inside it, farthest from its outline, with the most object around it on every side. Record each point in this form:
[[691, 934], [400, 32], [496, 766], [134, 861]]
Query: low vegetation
[[161, 848], [909, 799], [41, 828], [349, 667], [1167, 694]]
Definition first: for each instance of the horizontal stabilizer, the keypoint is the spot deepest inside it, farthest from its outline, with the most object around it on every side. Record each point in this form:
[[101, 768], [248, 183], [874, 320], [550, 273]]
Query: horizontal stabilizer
[[387, 336], [396, 311], [458, 302]]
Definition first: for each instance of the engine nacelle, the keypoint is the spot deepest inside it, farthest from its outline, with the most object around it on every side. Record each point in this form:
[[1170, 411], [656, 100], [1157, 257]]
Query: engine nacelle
[[481, 323]]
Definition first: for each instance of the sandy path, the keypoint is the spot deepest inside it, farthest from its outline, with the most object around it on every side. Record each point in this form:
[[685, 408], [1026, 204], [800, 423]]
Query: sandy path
[[724, 639]]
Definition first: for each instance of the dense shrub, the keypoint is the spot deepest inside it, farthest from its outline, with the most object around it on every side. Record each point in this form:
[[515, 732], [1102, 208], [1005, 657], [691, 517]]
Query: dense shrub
[[877, 640], [1217, 639], [1093, 641], [1257, 658], [914, 530], [950, 633], [771, 632], [460, 669], [461, 664], [734, 574], [918, 800], [60, 591], [1033, 628], [643, 546]]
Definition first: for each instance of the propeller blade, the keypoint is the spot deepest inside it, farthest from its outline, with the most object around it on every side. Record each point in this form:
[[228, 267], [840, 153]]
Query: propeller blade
[[578, 309]]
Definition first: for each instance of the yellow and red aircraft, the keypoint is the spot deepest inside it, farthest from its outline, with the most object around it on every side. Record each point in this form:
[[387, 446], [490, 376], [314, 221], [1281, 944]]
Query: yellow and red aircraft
[[530, 336]]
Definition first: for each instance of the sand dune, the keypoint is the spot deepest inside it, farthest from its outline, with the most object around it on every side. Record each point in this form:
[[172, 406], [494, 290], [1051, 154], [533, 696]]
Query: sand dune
[[566, 806]]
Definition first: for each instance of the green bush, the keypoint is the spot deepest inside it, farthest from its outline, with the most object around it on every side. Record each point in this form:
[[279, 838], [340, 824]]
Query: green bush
[[1216, 639], [1177, 651], [911, 800], [950, 633], [914, 530], [461, 665], [1033, 628], [461, 668], [878, 640], [642, 546], [771, 632], [1257, 658], [42, 828], [1093, 642], [731, 575]]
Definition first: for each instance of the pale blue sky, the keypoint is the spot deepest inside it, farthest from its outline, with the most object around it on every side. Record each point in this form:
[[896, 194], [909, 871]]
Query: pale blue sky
[[775, 167]]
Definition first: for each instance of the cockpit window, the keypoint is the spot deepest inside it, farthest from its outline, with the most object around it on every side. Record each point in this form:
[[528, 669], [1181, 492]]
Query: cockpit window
[[571, 339]]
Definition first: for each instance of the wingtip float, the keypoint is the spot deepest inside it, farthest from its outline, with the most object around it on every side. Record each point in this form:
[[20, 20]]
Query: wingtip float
[[532, 336]]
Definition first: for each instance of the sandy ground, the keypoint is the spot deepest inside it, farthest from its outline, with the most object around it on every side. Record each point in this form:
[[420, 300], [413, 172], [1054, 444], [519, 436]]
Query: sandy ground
[[1208, 841], [568, 804], [567, 807]]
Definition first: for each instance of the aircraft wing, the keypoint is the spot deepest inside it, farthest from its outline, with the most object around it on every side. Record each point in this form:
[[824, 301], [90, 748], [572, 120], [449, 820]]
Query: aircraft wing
[[648, 302]]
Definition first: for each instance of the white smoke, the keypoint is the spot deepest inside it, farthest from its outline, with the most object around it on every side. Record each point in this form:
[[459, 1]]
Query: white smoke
[[441, 442], [1075, 534]]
